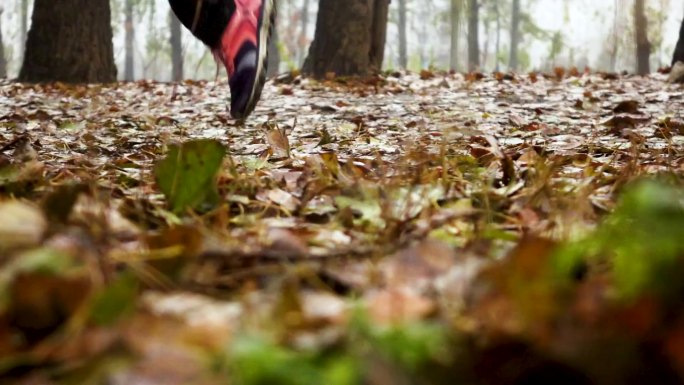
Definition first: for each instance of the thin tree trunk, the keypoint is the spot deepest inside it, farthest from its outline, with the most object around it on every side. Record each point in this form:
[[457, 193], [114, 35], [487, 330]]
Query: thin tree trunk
[[305, 32], [129, 30], [515, 36], [3, 61], [70, 41], [423, 36], [23, 27], [273, 65], [456, 12], [484, 54], [473, 35], [350, 38], [403, 46], [643, 45], [176, 48], [497, 48], [679, 50], [614, 51], [150, 57]]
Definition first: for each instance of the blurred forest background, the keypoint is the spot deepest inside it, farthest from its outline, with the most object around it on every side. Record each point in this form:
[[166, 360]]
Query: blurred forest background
[[421, 34]]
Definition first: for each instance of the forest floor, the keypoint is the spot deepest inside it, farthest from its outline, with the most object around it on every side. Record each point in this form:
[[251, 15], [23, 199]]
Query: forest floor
[[409, 229]]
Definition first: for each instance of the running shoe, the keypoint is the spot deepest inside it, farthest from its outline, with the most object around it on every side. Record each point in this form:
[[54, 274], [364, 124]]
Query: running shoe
[[243, 50]]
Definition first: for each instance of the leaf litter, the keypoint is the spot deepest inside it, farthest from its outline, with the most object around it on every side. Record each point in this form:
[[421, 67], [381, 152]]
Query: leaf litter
[[482, 228]]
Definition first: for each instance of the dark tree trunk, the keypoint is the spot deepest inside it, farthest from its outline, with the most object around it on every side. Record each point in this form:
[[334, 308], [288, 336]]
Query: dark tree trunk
[[643, 46], [455, 14], [379, 33], [403, 46], [176, 48], [129, 30], [70, 41], [350, 38], [679, 50], [273, 65], [3, 61], [473, 35], [515, 36]]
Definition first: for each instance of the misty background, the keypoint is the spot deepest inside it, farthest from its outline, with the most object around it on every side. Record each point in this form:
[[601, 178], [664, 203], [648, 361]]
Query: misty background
[[567, 33]]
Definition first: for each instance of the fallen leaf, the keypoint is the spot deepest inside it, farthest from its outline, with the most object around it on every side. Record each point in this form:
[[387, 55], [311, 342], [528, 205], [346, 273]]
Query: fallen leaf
[[187, 176]]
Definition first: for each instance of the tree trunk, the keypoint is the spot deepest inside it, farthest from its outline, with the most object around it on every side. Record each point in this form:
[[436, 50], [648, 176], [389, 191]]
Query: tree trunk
[[497, 48], [176, 48], [484, 54], [515, 36], [349, 39], [129, 30], [379, 34], [3, 61], [473, 35], [304, 37], [422, 33], [455, 15], [273, 65], [23, 27], [70, 41], [643, 46], [679, 50], [403, 46], [616, 43]]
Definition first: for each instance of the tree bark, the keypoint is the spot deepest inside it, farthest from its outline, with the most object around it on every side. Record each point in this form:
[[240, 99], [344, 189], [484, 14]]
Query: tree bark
[[176, 48], [473, 35], [349, 39], [129, 30], [70, 41], [403, 45], [515, 36], [679, 50], [3, 60], [643, 45], [455, 16]]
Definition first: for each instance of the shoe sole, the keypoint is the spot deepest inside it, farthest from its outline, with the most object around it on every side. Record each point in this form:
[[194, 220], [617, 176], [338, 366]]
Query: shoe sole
[[266, 26]]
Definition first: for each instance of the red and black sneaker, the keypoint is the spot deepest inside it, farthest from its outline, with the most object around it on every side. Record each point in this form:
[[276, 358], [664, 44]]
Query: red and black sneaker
[[243, 50]]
